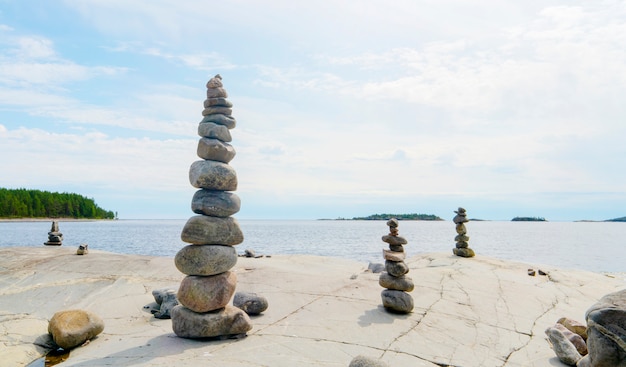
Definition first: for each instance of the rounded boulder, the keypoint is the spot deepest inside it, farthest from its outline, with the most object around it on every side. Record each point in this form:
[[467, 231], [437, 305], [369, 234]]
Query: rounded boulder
[[205, 259]]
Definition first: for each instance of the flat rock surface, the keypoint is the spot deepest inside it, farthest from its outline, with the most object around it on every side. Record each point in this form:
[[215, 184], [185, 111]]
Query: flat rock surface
[[322, 311]]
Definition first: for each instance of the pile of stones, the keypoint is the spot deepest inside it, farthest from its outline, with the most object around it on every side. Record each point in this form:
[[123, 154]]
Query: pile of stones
[[55, 238], [395, 297], [205, 293], [462, 246]]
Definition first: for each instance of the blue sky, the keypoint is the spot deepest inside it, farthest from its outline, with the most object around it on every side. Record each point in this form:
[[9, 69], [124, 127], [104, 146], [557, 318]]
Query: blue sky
[[344, 108]]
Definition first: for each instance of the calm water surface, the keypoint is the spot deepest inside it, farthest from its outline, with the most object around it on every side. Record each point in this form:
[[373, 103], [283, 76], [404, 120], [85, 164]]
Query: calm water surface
[[594, 246]]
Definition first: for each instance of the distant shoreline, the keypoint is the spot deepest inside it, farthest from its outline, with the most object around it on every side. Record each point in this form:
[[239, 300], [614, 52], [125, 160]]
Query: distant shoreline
[[50, 219]]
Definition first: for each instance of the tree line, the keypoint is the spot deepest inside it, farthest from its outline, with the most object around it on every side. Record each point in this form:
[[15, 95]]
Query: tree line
[[411, 216], [23, 203]]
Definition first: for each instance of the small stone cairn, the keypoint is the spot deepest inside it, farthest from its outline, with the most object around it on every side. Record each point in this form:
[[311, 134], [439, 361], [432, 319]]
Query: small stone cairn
[[462, 246], [395, 297], [205, 292], [55, 238]]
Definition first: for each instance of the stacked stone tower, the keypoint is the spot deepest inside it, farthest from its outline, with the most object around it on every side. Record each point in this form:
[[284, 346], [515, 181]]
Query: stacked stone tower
[[55, 238], [462, 246], [395, 297], [205, 293]]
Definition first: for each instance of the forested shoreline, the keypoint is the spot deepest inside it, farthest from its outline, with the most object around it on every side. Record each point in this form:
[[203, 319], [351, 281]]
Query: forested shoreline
[[25, 203]]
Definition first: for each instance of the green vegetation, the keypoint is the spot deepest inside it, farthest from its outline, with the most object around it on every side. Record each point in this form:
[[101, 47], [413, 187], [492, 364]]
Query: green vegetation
[[412, 216], [622, 219], [22, 203], [528, 219]]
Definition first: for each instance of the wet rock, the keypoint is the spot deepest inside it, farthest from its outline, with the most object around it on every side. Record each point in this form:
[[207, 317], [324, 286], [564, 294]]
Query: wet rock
[[71, 328]]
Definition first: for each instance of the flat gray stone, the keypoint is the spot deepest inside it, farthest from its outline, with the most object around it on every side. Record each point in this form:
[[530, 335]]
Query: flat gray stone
[[229, 321], [215, 150], [212, 175], [394, 240], [396, 268], [217, 110], [221, 119], [397, 301], [205, 230], [402, 283], [214, 131], [215, 203], [250, 303], [205, 259], [205, 294], [219, 101]]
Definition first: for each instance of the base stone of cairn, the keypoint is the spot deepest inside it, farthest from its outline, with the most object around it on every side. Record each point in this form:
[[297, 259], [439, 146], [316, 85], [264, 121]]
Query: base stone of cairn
[[55, 238], [462, 246], [395, 297], [204, 294]]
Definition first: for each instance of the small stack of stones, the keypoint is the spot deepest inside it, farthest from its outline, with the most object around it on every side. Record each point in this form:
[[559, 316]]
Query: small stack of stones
[[462, 246], [55, 238], [205, 292], [397, 284]]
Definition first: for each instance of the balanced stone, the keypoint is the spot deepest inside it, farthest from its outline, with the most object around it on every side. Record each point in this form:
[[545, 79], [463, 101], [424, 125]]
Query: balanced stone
[[215, 150], [460, 228], [221, 119], [219, 101], [397, 301], [212, 175], [216, 92], [217, 110], [205, 259], [71, 328], [250, 303], [205, 230], [462, 246], [401, 283], [229, 321], [463, 252], [394, 240], [393, 255], [396, 268], [207, 293], [55, 237], [460, 217], [214, 131], [215, 203]]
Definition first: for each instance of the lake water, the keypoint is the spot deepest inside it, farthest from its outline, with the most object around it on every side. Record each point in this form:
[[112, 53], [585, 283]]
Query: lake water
[[594, 246]]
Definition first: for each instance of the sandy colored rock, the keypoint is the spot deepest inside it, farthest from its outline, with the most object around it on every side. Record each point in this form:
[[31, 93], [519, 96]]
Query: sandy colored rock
[[71, 328]]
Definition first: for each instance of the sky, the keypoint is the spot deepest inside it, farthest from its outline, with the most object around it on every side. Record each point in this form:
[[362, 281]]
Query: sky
[[344, 108]]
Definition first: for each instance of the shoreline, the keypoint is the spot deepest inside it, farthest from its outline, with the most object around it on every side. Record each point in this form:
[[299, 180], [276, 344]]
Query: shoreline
[[323, 311]]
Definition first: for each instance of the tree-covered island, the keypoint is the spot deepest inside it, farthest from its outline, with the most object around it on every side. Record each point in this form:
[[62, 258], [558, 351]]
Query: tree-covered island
[[23, 203], [529, 219], [411, 216]]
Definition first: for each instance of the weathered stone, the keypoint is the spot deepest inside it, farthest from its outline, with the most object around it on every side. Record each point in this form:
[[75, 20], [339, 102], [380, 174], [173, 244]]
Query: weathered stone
[[462, 244], [217, 102], [249, 253], [460, 228], [460, 216], [402, 283], [166, 299], [396, 268], [393, 256], [221, 119], [464, 252], [205, 230], [205, 260], [229, 321], [217, 109], [563, 348], [215, 82], [216, 93], [574, 338], [71, 328], [394, 240], [574, 326], [363, 361], [214, 131], [215, 203], [204, 294], [212, 175], [375, 267], [461, 238], [606, 331], [215, 150], [396, 248], [250, 303], [393, 223], [397, 301]]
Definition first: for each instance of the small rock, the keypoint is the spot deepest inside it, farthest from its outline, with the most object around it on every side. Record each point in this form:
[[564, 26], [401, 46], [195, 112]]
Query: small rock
[[574, 326], [375, 267], [402, 283], [563, 348], [574, 338], [83, 249], [249, 253], [363, 361], [250, 303], [166, 299], [71, 328], [531, 272]]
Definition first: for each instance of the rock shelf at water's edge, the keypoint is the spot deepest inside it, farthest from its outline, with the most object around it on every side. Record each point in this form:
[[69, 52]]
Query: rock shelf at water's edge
[[325, 311]]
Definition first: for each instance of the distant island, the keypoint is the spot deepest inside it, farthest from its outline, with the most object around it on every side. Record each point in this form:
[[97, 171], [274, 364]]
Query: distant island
[[528, 219], [622, 219], [23, 203], [412, 216]]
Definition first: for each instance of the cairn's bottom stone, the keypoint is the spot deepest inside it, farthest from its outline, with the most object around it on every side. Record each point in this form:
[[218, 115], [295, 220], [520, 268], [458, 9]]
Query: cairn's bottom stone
[[397, 301], [228, 321], [464, 252]]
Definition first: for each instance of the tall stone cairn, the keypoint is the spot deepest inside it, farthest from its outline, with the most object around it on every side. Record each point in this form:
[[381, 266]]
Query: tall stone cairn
[[462, 246], [205, 293], [395, 297]]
